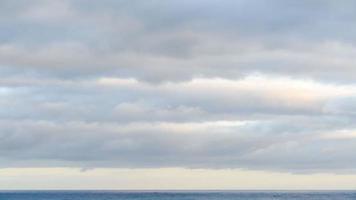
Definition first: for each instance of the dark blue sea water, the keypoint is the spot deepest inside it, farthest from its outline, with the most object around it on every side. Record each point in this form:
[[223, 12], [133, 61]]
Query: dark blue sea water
[[176, 195]]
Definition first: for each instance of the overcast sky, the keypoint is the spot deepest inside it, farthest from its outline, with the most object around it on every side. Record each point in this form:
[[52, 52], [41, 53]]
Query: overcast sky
[[200, 86]]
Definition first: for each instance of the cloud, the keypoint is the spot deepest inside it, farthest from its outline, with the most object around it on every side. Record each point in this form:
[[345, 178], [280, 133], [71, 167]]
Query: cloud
[[211, 84], [254, 145], [224, 39], [124, 100], [256, 123]]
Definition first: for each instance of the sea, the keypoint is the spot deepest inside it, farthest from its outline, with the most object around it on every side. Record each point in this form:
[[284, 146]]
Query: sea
[[177, 195]]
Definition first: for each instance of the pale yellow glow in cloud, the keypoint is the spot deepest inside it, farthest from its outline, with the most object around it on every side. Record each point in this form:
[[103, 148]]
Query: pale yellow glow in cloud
[[340, 134], [167, 178], [296, 91]]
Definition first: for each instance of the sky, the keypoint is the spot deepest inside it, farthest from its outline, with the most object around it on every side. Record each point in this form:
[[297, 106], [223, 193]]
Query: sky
[[178, 94]]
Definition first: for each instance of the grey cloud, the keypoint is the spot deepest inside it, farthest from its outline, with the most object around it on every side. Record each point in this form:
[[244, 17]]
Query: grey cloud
[[342, 106], [95, 100], [161, 41], [162, 83], [253, 145], [126, 123]]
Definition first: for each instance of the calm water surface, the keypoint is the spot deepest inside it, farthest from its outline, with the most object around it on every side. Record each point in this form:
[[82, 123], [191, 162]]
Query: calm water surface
[[174, 195]]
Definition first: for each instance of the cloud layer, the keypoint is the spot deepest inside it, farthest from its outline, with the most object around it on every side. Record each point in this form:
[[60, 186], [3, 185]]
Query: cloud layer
[[199, 84]]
